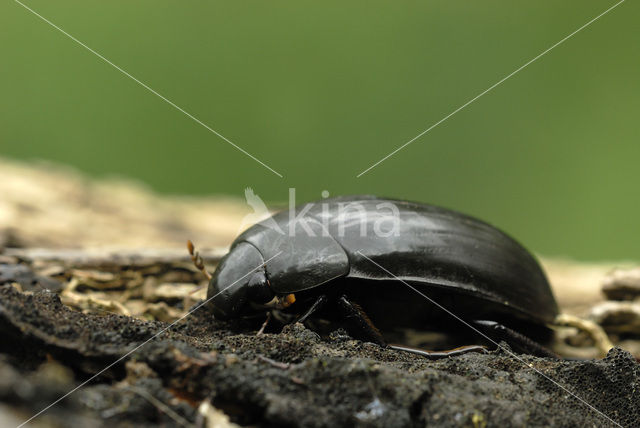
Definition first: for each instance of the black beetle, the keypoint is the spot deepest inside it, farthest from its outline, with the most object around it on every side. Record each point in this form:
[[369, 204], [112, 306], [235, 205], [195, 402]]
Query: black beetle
[[354, 257]]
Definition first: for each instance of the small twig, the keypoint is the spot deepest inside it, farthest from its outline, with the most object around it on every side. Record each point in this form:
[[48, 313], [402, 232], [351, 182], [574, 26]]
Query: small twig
[[197, 260], [264, 324], [274, 363]]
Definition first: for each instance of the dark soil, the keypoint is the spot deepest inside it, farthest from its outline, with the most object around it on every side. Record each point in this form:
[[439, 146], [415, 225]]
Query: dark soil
[[294, 378]]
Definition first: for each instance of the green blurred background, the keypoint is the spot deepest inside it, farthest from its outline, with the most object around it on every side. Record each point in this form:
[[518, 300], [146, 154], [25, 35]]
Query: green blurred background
[[319, 91]]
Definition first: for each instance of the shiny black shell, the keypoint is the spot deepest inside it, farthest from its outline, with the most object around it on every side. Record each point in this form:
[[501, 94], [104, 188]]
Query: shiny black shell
[[475, 267]]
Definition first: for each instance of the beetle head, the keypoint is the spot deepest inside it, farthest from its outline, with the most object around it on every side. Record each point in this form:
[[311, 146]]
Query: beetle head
[[234, 290]]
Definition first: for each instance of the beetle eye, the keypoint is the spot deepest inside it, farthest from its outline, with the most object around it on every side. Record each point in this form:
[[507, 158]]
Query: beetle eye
[[258, 288]]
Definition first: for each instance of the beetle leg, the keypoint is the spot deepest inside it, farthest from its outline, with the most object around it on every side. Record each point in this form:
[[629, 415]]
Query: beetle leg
[[319, 303], [518, 341], [373, 335], [436, 355], [363, 322]]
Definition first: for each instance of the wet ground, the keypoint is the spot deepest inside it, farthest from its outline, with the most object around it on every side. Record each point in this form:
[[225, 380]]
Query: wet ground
[[194, 372]]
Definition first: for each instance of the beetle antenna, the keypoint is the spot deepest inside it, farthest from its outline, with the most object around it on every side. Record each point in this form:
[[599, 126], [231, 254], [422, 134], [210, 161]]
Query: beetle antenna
[[595, 331], [197, 260]]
